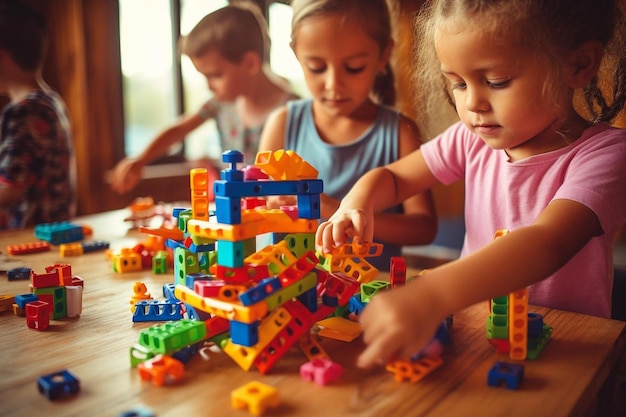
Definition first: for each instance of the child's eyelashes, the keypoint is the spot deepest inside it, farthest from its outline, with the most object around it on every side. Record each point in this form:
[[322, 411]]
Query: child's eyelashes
[[350, 70], [496, 85]]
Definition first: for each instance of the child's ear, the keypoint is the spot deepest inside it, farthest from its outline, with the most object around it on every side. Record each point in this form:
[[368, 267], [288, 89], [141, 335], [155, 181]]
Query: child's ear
[[582, 64], [252, 62]]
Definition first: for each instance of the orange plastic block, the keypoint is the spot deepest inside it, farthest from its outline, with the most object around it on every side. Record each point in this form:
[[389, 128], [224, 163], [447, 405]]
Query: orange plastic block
[[199, 183], [271, 221], [357, 249], [277, 257], [173, 233], [161, 369], [25, 248], [70, 249], [227, 310], [518, 324], [6, 301], [311, 348], [358, 268], [284, 165], [256, 397], [413, 371]]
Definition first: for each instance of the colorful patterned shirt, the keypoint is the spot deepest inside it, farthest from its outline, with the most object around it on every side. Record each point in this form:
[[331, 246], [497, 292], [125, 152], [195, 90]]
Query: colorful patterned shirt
[[35, 153]]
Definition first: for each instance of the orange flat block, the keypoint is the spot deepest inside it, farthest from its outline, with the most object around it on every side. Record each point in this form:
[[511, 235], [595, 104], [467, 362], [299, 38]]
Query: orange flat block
[[256, 397], [169, 233], [161, 369], [285, 165], [359, 269], [413, 371], [225, 309], [243, 231], [268, 329], [357, 249], [25, 248]]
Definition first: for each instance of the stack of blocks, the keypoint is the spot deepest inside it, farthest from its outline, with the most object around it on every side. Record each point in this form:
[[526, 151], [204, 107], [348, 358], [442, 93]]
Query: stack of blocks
[[54, 295], [254, 304], [512, 329]]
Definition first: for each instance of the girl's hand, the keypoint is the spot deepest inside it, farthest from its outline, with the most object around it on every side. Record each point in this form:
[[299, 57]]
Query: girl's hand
[[397, 324], [342, 226], [126, 175]]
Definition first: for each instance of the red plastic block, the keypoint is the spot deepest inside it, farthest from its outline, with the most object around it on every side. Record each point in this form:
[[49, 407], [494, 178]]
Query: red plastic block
[[25, 248], [37, 315]]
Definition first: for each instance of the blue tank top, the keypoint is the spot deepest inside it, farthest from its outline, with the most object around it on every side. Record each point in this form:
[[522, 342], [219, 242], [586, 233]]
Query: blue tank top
[[340, 166]]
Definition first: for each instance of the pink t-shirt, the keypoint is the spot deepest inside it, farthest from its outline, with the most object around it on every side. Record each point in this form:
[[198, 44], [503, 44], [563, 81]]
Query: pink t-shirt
[[509, 195]]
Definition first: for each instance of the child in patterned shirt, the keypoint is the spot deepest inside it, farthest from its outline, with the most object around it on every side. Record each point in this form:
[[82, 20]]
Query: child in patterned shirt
[[35, 138]]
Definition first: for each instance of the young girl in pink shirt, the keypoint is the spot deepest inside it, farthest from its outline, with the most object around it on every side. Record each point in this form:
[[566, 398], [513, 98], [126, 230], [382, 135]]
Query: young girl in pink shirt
[[553, 176]]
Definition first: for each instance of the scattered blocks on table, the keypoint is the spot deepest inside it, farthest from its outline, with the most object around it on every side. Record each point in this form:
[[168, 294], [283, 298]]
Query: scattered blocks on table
[[508, 374], [58, 385], [256, 397]]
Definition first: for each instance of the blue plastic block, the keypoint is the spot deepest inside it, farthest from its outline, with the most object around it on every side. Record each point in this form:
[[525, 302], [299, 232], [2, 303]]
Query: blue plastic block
[[535, 325], [230, 254], [196, 314], [190, 279], [58, 384], [185, 354], [260, 291], [95, 246], [245, 334], [168, 291], [22, 299], [509, 374], [356, 306], [309, 299], [228, 210], [17, 274], [155, 310], [60, 232], [173, 244], [309, 207], [240, 189]]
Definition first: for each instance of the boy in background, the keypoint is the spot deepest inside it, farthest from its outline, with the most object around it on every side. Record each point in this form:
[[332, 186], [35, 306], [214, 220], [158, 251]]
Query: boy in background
[[35, 139], [230, 48]]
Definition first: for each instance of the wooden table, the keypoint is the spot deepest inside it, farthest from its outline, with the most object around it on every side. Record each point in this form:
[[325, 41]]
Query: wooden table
[[577, 368]]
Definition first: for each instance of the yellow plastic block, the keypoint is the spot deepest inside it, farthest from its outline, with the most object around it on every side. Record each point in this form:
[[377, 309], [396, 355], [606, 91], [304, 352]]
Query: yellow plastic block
[[127, 261], [256, 397], [277, 257], [413, 371], [70, 249], [284, 165], [279, 222], [225, 309], [360, 270], [268, 329], [518, 324]]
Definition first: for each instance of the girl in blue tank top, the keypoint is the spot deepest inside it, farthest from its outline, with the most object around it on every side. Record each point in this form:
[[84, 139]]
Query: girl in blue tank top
[[347, 129]]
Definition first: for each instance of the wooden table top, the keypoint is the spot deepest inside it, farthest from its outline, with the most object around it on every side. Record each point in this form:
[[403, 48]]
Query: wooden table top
[[564, 381]]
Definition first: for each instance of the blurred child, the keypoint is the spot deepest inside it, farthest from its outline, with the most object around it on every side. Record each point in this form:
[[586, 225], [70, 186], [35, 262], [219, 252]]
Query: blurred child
[[229, 47], [348, 128], [35, 139], [531, 164]]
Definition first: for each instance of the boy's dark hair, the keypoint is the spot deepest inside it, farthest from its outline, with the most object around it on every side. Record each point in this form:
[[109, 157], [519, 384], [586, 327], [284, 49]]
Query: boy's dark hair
[[23, 34], [232, 31]]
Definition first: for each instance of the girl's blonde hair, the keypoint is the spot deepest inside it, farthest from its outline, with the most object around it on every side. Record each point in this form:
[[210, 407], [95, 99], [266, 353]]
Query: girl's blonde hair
[[550, 27], [374, 15], [232, 31]]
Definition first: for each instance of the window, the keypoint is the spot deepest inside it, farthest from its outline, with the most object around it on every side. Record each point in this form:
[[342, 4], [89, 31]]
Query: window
[[159, 85]]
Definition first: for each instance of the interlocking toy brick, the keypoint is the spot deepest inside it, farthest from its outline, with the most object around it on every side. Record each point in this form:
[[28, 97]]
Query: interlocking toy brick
[[161, 370], [321, 371], [37, 315], [256, 397], [58, 385], [59, 232], [414, 370], [16, 274], [25, 248], [508, 374]]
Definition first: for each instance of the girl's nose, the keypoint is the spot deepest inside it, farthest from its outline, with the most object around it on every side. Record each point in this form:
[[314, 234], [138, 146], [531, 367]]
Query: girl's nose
[[332, 80], [475, 101]]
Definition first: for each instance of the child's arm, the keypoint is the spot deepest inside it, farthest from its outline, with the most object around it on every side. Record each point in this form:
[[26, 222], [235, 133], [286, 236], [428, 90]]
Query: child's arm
[[418, 224], [399, 323], [129, 171]]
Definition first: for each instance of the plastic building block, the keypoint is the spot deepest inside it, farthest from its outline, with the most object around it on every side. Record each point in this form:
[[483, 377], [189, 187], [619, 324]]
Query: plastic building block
[[321, 371], [260, 291], [58, 385], [172, 336], [199, 184], [161, 370], [139, 354], [246, 334], [256, 397], [22, 299], [25, 248], [70, 249], [536, 344], [57, 233], [518, 324], [127, 261], [156, 310], [17, 274], [509, 374], [74, 300], [6, 301], [37, 315], [414, 371], [56, 297], [94, 246], [284, 165], [372, 288], [397, 271]]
